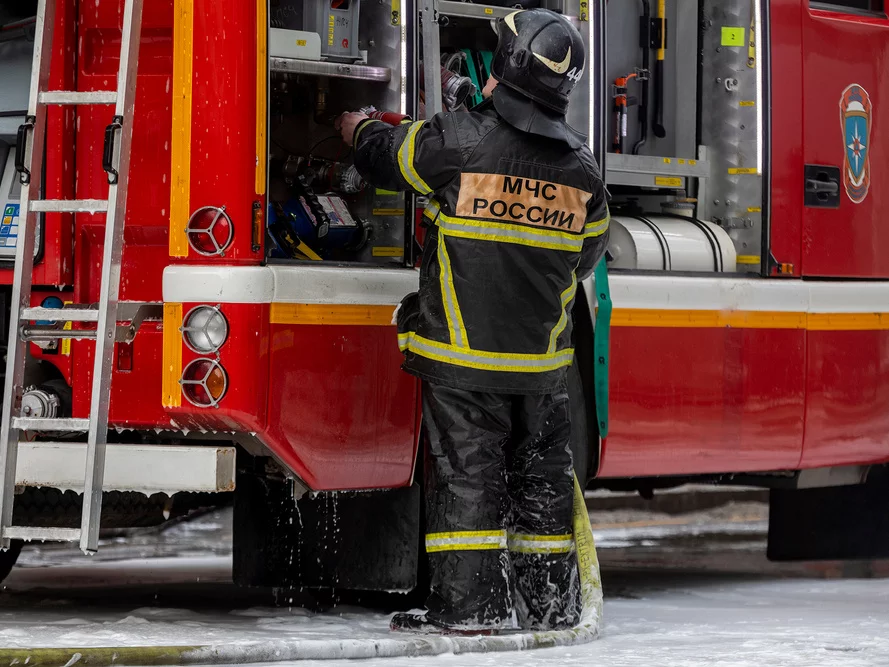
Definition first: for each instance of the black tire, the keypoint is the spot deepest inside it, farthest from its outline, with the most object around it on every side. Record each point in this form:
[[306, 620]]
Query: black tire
[[9, 557]]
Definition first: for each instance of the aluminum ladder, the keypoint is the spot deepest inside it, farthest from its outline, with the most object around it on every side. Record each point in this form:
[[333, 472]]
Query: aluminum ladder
[[29, 161]]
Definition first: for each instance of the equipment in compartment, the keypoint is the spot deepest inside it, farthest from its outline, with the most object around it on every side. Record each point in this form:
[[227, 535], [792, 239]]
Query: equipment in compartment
[[315, 227], [297, 44], [730, 116], [477, 66], [388, 117], [660, 35], [10, 193], [659, 242], [699, 133], [645, 45], [456, 89], [325, 174], [622, 102], [297, 23]]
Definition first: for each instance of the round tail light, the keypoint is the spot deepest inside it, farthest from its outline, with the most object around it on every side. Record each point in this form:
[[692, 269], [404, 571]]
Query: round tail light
[[204, 329], [210, 231], [204, 383]]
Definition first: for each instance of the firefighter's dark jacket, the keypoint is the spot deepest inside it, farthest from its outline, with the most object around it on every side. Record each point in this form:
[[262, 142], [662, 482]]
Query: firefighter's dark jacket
[[515, 221]]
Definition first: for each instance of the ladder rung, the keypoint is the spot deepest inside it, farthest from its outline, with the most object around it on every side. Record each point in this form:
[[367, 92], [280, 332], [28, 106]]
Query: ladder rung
[[78, 97], [54, 425], [60, 314], [69, 205], [37, 333], [34, 533]]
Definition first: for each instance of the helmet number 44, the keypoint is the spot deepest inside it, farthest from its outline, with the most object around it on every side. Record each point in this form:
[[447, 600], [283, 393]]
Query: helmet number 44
[[575, 74]]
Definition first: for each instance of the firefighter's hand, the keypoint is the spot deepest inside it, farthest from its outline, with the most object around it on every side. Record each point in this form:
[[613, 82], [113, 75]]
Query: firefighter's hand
[[347, 123]]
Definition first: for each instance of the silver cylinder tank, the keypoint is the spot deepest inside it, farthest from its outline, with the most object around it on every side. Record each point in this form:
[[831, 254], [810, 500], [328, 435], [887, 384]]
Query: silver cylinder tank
[[669, 243]]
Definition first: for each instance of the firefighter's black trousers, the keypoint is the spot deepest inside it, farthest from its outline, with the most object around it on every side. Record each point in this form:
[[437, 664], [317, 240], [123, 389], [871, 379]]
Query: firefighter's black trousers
[[499, 498]]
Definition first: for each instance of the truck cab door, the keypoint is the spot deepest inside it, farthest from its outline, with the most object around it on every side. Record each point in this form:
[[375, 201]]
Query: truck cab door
[[845, 47]]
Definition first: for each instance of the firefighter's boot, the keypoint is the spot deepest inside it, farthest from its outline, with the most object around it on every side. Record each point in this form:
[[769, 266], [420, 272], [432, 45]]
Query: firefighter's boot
[[466, 508], [541, 489]]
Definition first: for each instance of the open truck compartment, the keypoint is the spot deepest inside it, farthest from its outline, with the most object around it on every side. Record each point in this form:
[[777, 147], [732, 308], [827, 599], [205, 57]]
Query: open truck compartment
[[326, 58], [16, 47], [319, 207], [685, 144], [673, 110]]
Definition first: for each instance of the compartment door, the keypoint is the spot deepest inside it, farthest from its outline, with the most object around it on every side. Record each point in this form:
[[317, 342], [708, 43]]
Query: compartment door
[[845, 48]]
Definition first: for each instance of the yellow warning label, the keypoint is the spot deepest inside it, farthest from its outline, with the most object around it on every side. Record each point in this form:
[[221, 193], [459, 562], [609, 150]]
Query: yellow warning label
[[680, 161], [301, 42], [387, 251], [754, 209], [748, 259], [746, 103], [584, 14], [751, 43], [66, 344], [331, 23], [742, 170], [395, 17], [667, 160], [732, 36], [692, 162], [488, 10], [388, 211], [668, 181]]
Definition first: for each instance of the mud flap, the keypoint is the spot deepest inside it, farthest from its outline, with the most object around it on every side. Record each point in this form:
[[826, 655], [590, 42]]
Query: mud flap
[[834, 523], [339, 540]]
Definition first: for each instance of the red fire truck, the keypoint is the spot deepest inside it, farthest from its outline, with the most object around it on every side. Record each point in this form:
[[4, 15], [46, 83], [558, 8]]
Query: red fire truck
[[212, 287]]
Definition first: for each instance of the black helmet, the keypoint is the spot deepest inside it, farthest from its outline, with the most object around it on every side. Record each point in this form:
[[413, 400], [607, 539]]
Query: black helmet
[[540, 55]]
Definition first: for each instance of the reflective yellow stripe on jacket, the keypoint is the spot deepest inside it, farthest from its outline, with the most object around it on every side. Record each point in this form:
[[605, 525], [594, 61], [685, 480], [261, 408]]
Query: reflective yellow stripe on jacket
[[466, 540], [483, 360], [484, 230], [597, 227], [406, 154], [449, 297], [566, 298]]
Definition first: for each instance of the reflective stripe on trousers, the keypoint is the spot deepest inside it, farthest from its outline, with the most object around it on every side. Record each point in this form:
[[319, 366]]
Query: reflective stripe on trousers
[[540, 544], [466, 540]]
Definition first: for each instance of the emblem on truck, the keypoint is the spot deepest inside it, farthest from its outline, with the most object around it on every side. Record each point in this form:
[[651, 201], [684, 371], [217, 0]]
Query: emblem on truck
[[855, 120]]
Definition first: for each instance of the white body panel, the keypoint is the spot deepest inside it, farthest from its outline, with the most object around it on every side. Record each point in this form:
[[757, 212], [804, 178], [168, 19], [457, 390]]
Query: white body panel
[[144, 468], [313, 284], [300, 283]]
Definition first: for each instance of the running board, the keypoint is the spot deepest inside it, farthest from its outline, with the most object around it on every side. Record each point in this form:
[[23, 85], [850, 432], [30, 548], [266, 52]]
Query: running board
[[144, 468]]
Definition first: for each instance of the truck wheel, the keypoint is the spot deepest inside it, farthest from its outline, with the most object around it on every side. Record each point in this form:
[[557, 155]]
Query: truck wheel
[[9, 557], [831, 523]]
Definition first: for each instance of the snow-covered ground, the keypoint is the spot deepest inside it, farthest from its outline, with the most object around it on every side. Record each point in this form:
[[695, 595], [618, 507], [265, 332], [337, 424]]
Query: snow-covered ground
[[678, 613]]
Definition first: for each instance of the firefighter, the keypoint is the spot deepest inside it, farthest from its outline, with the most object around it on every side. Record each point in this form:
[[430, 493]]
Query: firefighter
[[516, 218]]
